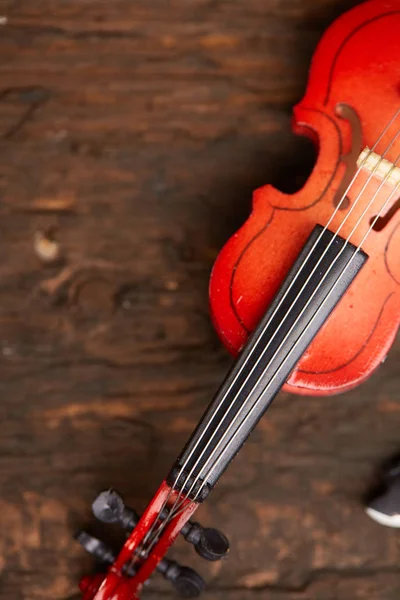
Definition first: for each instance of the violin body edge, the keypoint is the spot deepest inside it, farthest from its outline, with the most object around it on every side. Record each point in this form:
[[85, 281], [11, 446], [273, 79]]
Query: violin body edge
[[254, 262]]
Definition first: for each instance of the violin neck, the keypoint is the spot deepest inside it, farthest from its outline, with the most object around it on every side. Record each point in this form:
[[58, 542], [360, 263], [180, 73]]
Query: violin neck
[[320, 277]]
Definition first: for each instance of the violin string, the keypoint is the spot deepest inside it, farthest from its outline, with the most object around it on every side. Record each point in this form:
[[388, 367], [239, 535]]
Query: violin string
[[375, 220], [355, 204], [335, 212], [174, 507], [174, 511], [149, 533], [201, 474]]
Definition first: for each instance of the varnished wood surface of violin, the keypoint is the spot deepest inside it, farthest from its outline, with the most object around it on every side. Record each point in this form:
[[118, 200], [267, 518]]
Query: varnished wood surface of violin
[[135, 134], [351, 103]]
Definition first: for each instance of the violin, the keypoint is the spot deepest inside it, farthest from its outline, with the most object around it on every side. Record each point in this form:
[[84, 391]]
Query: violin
[[305, 295]]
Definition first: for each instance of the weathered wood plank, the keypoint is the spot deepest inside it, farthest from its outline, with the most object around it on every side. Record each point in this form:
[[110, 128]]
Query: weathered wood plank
[[134, 133]]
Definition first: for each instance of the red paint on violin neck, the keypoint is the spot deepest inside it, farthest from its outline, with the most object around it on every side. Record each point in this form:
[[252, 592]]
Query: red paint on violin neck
[[116, 585]]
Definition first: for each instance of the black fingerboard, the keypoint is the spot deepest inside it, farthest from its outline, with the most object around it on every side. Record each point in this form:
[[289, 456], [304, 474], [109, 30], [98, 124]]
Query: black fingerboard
[[269, 358]]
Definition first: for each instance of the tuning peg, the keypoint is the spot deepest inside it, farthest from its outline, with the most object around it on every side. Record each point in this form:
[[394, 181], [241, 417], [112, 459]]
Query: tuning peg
[[110, 508], [186, 581], [95, 547], [210, 544]]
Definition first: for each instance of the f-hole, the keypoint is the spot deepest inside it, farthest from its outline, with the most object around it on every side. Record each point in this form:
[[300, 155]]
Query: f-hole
[[344, 111], [382, 222]]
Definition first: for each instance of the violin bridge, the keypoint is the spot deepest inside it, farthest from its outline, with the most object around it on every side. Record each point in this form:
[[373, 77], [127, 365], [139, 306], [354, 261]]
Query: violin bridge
[[380, 167]]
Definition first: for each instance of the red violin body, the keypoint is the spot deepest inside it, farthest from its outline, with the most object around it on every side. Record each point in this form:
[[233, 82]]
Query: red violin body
[[352, 112], [353, 91]]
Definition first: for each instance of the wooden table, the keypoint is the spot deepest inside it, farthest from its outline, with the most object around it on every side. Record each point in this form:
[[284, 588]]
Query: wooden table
[[133, 133]]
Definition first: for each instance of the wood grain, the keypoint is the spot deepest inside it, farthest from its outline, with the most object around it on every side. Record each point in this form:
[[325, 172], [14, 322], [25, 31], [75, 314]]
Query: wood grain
[[132, 136]]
